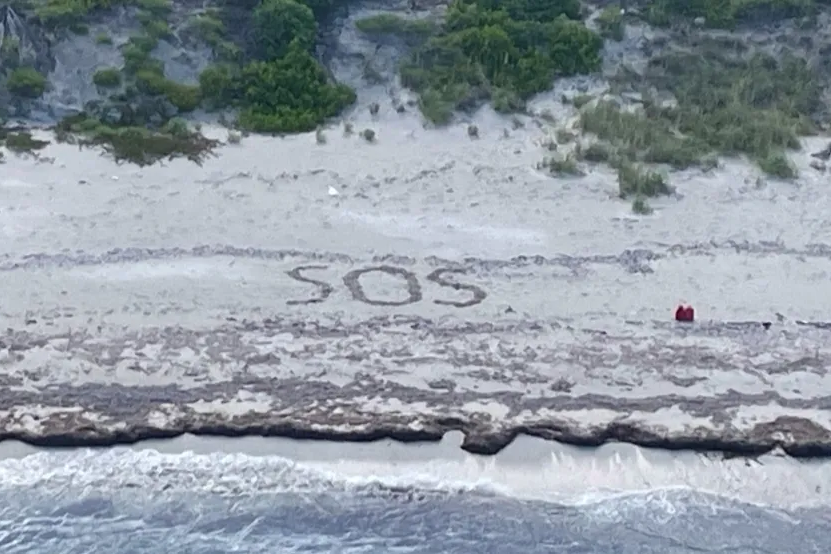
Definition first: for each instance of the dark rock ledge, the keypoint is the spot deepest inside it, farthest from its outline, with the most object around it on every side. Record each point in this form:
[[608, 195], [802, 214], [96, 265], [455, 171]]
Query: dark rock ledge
[[798, 437]]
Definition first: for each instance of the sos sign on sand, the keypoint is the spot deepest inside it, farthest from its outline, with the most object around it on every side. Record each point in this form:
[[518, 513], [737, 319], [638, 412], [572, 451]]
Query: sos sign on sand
[[408, 279]]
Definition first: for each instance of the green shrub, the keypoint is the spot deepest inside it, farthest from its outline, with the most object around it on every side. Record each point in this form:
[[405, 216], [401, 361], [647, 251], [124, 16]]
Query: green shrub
[[185, 98], [177, 127], [278, 23], [391, 24], [10, 51], [159, 8], [291, 94], [726, 104], [530, 10], [562, 166], [137, 145], [777, 164], [638, 137], [610, 22], [750, 106], [23, 142], [151, 82], [109, 77], [501, 52], [640, 206], [321, 8], [54, 13], [156, 29], [136, 54], [596, 152], [26, 82], [637, 181], [218, 84], [207, 27], [727, 13]]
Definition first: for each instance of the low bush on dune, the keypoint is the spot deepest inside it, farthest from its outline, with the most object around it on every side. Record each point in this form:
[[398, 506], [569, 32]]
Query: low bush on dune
[[499, 51], [757, 107], [137, 145]]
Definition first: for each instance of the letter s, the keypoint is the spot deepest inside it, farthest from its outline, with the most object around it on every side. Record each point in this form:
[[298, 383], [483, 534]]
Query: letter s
[[325, 288], [479, 295]]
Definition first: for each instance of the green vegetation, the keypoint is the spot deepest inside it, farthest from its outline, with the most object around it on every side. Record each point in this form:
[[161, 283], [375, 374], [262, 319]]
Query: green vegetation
[[147, 75], [499, 51], [290, 94], [209, 28], [777, 164], [109, 77], [281, 89], [727, 13], [157, 7], [284, 90], [137, 145], [151, 82], [596, 152], [756, 106], [640, 206], [21, 142], [10, 51], [610, 22], [279, 23], [155, 28], [391, 24], [637, 181], [24, 142], [635, 136], [64, 13], [562, 166], [26, 82], [71, 13]]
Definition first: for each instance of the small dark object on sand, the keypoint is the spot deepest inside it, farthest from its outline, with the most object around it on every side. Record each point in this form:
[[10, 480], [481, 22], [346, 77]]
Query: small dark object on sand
[[684, 313], [823, 154]]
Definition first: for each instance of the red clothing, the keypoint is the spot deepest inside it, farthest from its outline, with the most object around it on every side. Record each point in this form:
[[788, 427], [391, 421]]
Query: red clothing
[[684, 313]]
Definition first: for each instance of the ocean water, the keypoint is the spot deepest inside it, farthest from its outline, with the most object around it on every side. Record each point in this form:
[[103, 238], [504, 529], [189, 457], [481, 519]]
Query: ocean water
[[148, 501]]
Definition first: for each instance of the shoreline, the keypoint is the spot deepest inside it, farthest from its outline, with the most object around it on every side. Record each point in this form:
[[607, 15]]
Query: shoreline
[[485, 442], [530, 469]]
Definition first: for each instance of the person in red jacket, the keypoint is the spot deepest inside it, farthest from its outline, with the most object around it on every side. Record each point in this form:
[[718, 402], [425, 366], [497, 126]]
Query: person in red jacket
[[684, 313]]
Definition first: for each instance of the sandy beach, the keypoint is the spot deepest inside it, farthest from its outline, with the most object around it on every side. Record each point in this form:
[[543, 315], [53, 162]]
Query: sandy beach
[[142, 302]]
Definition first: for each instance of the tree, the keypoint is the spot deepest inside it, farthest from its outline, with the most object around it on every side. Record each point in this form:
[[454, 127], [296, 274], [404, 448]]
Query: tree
[[279, 22], [291, 94], [26, 82]]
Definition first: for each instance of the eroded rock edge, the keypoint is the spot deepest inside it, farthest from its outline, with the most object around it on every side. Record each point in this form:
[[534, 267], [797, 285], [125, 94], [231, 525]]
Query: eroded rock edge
[[798, 437]]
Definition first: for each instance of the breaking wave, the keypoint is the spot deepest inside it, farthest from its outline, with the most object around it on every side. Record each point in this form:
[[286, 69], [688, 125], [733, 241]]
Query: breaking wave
[[536, 497]]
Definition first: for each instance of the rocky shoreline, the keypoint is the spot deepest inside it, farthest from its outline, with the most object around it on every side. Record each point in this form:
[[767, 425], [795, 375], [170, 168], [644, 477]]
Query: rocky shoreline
[[797, 437], [413, 379]]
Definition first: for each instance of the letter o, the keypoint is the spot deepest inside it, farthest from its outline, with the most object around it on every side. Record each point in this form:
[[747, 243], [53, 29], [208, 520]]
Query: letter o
[[352, 280]]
